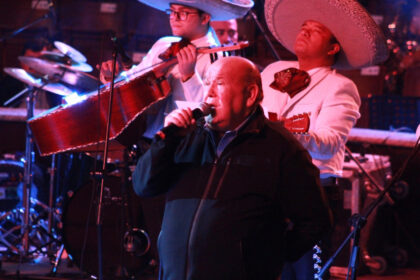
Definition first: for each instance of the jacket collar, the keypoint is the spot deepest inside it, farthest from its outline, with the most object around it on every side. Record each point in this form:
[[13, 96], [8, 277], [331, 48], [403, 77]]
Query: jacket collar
[[316, 77]]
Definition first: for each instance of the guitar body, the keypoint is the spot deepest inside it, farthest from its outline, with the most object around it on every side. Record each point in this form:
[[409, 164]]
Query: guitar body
[[82, 126], [298, 123]]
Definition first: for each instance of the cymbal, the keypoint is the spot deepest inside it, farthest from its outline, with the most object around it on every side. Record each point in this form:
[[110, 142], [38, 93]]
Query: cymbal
[[54, 72], [25, 77], [70, 52], [66, 61]]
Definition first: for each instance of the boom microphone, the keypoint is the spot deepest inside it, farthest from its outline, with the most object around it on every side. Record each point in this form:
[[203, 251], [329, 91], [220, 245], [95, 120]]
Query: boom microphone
[[203, 110]]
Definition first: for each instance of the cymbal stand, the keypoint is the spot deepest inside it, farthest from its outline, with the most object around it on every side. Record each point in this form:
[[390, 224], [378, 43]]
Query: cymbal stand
[[359, 220], [17, 31], [52, 171], [16, 96], [29, 160]]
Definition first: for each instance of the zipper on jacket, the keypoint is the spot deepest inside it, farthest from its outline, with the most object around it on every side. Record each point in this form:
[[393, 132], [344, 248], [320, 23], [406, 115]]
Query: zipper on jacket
[[222, 179], [205, 193]]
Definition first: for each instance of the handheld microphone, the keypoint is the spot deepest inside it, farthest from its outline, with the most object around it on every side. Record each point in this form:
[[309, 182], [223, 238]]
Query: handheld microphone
[[126, 60], [203, 110]]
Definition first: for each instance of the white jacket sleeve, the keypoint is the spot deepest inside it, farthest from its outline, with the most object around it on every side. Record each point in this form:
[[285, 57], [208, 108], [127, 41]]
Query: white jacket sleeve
[[337, 115]]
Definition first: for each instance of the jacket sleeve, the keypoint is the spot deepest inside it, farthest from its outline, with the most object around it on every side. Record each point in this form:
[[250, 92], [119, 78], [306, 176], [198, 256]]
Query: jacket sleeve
[[337, 115], [155, 169], [303, 204]]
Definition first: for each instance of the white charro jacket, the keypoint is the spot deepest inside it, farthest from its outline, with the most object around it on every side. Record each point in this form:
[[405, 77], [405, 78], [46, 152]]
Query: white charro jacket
[[332, 102]]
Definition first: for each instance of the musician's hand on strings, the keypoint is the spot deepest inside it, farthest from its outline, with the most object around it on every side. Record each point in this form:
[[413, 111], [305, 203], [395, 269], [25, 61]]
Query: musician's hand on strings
[[187, 58], [106, 71]]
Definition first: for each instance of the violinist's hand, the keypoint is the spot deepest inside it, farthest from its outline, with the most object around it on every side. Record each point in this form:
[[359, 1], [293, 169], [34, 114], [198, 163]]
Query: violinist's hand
[[181, 117], [106, 71], [187, 58]]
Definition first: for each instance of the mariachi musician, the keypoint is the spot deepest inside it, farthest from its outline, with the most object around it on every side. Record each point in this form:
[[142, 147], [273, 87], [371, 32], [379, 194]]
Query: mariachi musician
[[324, 35], [191, 24]]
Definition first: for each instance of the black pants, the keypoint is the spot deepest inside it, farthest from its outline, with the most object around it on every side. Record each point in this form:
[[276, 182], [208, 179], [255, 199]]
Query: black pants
[[303, 269]]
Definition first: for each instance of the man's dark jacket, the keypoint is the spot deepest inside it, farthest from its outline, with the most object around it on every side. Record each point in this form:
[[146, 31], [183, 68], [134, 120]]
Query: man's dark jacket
[[226, 217]]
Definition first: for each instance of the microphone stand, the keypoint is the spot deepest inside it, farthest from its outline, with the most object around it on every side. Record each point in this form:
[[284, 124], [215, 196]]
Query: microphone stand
[[359, 220], [104, 160], [257, 22]]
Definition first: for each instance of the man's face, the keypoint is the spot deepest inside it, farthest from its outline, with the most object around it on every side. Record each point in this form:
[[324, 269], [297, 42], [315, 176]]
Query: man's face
[[313, 40], [227, 31], [226, 93], [185, 28]]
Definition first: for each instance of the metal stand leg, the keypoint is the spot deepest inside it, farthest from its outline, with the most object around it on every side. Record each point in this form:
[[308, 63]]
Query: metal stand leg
[[57, 260], [51, 196], [29, 159]]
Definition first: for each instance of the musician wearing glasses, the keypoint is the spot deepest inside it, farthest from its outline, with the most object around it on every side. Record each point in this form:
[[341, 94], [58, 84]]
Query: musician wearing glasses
[[191, 24]]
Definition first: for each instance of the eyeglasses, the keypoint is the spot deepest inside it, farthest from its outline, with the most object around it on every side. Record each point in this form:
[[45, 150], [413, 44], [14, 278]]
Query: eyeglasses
[[182, 15]]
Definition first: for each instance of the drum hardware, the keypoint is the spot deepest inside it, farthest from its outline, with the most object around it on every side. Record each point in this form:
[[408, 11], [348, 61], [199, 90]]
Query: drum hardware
[[66, 61], [34, 82], [136, 242], [57, 72], [27, 183], [23, 230], [52, 171], [26, 232], [70, 52], [126, 242]]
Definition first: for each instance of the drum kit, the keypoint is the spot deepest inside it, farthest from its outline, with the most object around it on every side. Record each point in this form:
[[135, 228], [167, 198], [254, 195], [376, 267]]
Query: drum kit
[[61, 72], [29, 227]]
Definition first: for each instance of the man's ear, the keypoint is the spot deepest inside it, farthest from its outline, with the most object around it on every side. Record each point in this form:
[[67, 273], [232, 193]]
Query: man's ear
[[335, 48], [252, 91], [205, 18]]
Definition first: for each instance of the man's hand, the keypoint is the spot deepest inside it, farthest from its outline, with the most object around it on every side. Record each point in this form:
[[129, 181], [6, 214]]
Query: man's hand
[[181, 118], [106, 71], [187, 58]]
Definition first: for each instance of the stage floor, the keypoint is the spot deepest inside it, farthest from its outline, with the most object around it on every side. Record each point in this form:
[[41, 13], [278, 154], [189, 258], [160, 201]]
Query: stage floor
[[41, 269]]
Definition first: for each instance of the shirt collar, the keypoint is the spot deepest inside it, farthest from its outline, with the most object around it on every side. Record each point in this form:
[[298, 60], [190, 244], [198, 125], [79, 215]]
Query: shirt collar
[[206, 40]]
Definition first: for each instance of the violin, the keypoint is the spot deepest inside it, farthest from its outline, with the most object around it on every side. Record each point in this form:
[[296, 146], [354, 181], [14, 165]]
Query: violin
[[169, 55]]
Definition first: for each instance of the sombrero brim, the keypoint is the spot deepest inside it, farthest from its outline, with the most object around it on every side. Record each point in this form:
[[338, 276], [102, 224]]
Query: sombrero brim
[[218, 9], [362, 41]]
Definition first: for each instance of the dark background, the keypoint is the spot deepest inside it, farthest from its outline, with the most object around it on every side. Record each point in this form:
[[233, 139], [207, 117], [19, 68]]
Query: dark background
[[390, 99]]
